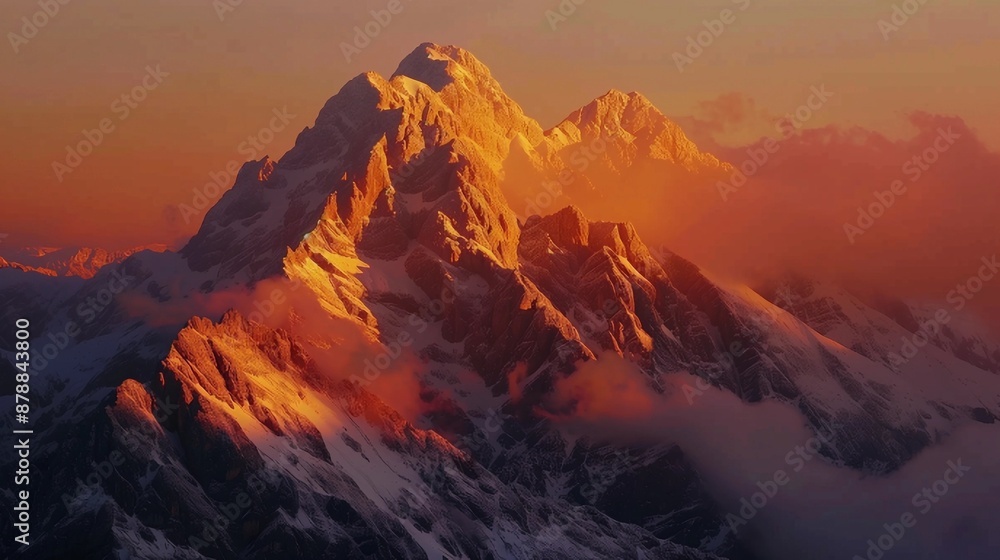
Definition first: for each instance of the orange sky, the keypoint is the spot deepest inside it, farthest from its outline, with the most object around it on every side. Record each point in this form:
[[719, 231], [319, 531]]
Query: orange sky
[[227, 75]]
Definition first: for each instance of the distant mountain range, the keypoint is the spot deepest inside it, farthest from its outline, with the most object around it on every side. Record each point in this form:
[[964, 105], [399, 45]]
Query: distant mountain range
[[373, 347], [83, 262]]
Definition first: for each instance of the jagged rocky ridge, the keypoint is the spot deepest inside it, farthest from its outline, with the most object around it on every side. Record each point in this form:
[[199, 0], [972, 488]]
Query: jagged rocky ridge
[[82, 262], [391, 215]]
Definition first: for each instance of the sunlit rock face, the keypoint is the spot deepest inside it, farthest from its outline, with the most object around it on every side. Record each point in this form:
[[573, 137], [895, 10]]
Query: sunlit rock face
[[369, 349]]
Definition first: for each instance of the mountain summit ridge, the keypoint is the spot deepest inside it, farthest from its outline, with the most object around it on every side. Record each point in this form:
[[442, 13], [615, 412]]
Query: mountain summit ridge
[[365, 341]]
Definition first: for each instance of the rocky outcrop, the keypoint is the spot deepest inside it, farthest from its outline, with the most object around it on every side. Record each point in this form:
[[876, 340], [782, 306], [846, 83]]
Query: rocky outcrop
[[397, 399]]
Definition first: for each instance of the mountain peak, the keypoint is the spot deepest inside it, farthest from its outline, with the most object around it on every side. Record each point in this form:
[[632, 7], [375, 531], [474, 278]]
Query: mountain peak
[[634, 119], [618, 98], [441, 65], [468, 88], [617, 109]]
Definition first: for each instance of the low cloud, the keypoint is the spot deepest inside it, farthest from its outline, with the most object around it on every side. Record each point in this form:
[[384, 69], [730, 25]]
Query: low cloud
[[342, 348], [601, 394], [804, 210], [821, 511]]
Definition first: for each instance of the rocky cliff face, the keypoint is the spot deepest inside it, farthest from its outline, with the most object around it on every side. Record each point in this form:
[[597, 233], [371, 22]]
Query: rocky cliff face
[[384, 388]]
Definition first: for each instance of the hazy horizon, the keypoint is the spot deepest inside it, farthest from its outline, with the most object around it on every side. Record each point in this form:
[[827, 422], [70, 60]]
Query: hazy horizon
[[583, 279], [230, 67]]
